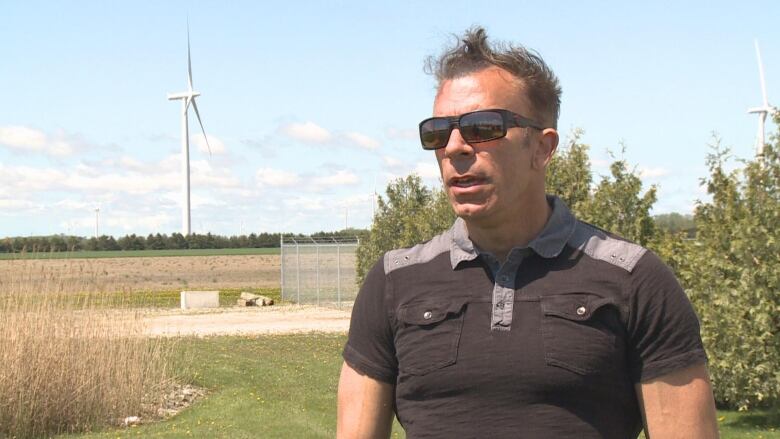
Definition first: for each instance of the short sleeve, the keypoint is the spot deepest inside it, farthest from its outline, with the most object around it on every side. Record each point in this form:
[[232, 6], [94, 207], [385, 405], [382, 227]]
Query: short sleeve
[[370, 349], [663, 329]]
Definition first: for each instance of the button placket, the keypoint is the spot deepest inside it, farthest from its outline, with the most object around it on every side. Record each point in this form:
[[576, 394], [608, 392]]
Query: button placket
[[504, 291]]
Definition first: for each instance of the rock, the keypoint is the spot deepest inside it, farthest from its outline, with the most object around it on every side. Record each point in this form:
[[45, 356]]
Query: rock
[[249, 299], [131, 420], [249, 296]]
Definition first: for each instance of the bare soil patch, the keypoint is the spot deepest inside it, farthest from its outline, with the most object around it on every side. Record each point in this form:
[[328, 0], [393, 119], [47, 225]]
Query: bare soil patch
[[277, 319]]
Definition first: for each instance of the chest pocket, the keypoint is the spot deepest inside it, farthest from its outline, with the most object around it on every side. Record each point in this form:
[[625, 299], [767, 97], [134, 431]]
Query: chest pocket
[[578, 334], [428, 335]]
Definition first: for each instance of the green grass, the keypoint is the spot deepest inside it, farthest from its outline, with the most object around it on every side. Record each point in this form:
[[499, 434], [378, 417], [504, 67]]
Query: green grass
[[154, 299], [141, 253], [285, 387], [258, 387], [764, 423], [172, 298]]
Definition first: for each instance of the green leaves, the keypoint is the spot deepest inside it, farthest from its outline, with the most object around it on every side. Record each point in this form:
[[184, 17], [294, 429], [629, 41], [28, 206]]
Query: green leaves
[[411, 213], [731, 274]]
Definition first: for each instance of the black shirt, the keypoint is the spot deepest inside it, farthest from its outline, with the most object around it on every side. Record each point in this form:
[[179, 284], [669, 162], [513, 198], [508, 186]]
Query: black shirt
[[550, 344]]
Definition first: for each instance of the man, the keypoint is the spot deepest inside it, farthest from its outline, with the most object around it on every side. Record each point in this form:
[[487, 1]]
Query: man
[[520, 321]]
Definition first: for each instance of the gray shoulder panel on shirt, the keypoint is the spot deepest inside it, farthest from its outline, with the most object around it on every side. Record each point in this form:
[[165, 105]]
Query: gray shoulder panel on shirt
[[419, 254], [598, 245]]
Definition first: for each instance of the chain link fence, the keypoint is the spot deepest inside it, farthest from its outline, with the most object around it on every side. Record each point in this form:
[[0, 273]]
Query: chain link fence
[[319, 270]]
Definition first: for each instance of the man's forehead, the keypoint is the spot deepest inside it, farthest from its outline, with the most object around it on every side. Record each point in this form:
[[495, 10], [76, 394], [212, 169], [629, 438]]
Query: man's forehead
[[491, 87]]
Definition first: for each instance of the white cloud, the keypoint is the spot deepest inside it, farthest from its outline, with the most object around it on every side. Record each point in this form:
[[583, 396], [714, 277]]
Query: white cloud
[[362, 140], [132, 222], [69, 204], [217, 145], [276, 177], [22, 137], [340, 178], [132, 164], [127, 176], [305, 203], [427, 170], [402, 134], [307, 132], [310, 132], [391, 162], [653, 172], [28, 139], [10, 204]]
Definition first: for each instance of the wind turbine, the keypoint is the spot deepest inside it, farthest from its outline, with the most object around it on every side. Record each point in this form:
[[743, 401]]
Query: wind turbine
[[764, 109], [187, 99]]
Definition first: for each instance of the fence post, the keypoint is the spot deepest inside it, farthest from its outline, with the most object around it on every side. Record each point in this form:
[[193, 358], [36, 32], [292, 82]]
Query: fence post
[[338, 273], [317, 246], [298, 272], [281, 263]]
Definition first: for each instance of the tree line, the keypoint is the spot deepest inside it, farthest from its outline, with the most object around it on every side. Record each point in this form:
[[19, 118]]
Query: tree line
[[726, 255], [156, 241]]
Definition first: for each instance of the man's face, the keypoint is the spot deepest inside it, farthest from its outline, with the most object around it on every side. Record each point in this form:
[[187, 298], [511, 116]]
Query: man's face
[[491, 181]]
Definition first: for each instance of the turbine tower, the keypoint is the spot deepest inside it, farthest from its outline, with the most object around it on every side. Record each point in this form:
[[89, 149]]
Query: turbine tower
[[187, 99], [764, 110]]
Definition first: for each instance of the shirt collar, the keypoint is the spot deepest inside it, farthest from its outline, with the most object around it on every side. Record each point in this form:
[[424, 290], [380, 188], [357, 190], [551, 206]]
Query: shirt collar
[[548, 244]]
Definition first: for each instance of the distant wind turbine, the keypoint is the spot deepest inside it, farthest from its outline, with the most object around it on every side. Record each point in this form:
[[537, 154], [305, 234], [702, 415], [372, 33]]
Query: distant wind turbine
[[187, 98], [764, 109]]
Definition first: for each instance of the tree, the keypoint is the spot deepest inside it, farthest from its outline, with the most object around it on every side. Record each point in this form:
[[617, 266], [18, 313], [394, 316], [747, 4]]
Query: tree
[[569, 174], [675, 222], [411, 214], [618, 206], [732, 277]]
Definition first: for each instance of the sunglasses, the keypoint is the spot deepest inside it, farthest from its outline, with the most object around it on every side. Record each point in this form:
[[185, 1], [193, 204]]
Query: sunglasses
[[475, 127]]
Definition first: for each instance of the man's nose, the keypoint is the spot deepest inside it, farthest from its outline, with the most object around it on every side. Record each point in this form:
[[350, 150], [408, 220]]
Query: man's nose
[[456, 146]]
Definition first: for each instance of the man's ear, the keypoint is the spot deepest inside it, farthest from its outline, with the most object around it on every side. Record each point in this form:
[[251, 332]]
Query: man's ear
[[547, 144]]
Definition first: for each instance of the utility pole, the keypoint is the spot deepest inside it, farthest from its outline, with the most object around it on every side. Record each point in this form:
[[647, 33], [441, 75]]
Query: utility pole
[[97, 222]]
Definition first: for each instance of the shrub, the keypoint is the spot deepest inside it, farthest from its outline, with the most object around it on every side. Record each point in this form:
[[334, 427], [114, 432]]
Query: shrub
[[732, 274]]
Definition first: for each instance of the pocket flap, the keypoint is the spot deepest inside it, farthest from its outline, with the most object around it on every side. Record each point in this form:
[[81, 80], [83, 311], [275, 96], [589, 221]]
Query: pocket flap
[[577, 307], [429, 312]]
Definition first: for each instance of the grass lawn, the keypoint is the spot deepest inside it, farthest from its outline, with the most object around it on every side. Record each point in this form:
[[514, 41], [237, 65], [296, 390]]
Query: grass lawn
[[141, 253], [259, 387], [155, 299], [168, 298], [285, 387]]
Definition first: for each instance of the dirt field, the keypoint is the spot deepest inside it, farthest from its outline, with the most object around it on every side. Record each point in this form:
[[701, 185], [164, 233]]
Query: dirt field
[[147, 274], [284, 319], [172, 273]]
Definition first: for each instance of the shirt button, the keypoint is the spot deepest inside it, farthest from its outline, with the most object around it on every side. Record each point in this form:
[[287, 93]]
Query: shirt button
[[581, 311], [427, 315]]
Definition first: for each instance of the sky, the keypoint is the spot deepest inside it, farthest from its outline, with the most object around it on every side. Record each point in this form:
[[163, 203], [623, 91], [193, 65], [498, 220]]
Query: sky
[[311, 107]]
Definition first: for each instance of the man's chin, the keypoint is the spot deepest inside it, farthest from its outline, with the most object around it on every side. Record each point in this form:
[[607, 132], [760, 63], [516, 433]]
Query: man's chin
[[469, 211]]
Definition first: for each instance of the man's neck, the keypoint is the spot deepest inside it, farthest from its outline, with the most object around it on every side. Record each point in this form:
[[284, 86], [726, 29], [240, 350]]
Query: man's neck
[[517, 230]]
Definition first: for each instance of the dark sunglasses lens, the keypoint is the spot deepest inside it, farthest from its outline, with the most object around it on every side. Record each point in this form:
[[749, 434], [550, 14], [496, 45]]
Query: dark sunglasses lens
[[435, 133], [482, 126]]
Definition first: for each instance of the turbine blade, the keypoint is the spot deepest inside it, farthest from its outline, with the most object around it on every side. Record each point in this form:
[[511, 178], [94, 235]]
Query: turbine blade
[[189, 59], [205, 137], [761, 74]]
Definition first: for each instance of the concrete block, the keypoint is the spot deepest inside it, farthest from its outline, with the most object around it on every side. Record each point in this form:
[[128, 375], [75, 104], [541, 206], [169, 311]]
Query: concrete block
[[199, 299]]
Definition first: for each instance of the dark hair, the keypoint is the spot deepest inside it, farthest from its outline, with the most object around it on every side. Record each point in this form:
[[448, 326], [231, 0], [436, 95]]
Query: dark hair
[[473, 53]]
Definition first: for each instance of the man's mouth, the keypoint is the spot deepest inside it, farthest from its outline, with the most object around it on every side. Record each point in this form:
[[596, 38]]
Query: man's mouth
[[466, 181]]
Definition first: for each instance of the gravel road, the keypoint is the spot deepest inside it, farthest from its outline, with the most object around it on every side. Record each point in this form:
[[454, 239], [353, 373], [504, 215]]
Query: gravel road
[[277, 319]]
